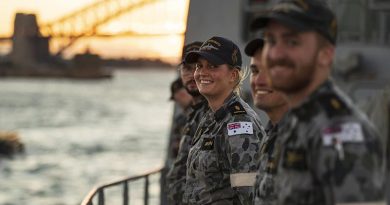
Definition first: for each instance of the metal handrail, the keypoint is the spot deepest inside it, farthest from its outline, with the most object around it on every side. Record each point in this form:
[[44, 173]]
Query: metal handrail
[[99, 190]]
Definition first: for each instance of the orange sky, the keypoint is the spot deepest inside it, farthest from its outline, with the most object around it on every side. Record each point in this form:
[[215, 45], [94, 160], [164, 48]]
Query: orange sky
[[166, 16]]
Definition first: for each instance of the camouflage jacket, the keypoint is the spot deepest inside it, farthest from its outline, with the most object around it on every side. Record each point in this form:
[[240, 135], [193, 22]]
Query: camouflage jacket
[[330, 152], [176, 177], [224, 157], [265, 192], [178, 126]]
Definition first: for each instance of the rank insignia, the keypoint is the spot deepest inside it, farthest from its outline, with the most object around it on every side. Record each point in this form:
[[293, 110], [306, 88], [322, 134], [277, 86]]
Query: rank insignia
[[236, 109], [207, 144]]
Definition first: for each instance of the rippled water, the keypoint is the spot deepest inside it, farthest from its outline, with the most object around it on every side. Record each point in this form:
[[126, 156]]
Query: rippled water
[[82, 133]]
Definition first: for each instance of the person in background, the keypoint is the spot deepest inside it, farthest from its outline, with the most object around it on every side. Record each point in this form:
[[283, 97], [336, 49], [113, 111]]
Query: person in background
[[330, 153], [183, 99], [177, 174], [224, 156], [275, 104]]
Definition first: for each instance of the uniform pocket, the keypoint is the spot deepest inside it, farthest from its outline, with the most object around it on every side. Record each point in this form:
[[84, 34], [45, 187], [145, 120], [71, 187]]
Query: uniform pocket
[[208, 161]]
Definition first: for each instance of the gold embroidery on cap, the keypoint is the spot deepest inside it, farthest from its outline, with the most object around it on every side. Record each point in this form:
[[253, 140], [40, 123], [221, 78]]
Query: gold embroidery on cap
[[214, 42], [210, 45], [303, 4], [234, 56], [333, 27], [192, 48], [287, 7]]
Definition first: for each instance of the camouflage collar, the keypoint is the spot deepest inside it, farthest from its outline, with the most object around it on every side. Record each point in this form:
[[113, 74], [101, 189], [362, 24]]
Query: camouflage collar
[[198, 105], [269, 126], [325, 87], [223, 110]]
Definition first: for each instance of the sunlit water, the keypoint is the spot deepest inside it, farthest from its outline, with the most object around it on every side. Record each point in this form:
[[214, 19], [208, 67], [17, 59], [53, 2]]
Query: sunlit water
[[82, 133]]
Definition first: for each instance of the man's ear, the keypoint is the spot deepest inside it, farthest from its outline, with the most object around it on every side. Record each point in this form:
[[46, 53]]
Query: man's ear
[[325, 56]]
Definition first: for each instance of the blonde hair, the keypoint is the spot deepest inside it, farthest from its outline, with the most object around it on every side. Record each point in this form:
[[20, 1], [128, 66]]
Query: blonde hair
[[243, 73]]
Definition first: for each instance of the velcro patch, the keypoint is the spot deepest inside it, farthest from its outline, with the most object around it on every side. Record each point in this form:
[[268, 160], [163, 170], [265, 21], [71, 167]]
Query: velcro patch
[[350, 132], [236, 128], [243, 179], [295, 158], [207, 144]]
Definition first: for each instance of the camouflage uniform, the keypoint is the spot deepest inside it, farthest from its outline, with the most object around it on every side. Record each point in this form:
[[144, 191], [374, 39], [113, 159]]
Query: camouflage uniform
[[176, 134], [178, 126], [265, 192], [330, 152], [224, 157], [176, 177]]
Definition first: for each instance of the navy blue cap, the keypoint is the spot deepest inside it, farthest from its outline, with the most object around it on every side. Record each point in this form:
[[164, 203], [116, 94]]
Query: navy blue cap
[[253, 45], [302, 15], [194, 46], [218, 51]]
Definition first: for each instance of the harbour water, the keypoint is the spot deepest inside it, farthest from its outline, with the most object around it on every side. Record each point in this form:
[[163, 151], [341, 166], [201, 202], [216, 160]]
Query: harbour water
[[82, 133]]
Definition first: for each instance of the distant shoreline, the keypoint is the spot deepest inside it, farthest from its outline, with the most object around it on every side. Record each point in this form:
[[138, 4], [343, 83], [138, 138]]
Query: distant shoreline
[[84, 66], [139, 63]]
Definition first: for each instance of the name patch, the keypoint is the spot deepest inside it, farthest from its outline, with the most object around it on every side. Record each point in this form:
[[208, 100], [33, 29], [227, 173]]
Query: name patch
[[295, 158], [207, 144], [236, 128], [348, 132]]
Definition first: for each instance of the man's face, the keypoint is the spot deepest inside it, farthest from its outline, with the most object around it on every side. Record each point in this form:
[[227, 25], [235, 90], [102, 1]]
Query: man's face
[[290, 56], [187, 76], [264, 97], [182, 98]]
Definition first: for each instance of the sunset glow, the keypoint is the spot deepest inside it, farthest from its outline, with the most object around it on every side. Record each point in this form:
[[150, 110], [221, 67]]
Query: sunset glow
[[159, 27]]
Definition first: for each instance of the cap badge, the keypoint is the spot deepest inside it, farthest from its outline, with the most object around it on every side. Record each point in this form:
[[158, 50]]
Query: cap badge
[[287, 7], [208, 47]]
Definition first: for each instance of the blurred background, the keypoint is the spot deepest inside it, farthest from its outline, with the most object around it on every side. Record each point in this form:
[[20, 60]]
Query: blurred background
[[84, 94], [84, 85], [120, 28]]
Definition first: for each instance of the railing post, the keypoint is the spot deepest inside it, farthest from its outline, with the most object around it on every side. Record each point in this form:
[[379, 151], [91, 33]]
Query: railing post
[[101, 197], [146, 196], [98, 192], [125, 193]]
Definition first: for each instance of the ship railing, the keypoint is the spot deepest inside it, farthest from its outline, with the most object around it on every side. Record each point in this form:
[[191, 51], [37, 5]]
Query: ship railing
[[98, 191]]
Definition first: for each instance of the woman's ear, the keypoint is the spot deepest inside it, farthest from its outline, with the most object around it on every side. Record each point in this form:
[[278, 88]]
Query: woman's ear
[[234, 75]]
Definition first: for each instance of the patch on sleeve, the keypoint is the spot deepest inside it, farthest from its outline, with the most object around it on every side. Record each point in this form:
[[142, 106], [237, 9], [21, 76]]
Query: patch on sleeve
[[236, 128], [237, 109], [242, 179], [350, 132]]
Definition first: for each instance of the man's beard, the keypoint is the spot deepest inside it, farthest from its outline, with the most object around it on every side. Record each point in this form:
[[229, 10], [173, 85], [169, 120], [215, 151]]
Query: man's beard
[[300, 80], [193, 93]]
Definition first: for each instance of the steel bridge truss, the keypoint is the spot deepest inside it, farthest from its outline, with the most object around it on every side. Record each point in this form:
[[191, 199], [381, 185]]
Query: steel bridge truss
[[85, 21]]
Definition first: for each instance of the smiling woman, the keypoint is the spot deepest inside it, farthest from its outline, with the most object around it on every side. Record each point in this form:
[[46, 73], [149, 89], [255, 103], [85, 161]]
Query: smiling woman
[[224, 154], [143, 32]]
